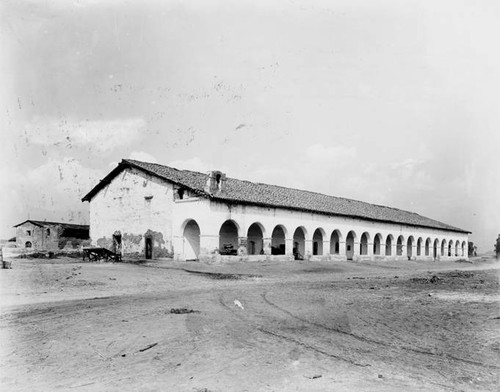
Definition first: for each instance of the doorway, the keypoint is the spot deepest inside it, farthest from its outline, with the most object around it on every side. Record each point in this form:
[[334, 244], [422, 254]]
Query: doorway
[[149, 248]]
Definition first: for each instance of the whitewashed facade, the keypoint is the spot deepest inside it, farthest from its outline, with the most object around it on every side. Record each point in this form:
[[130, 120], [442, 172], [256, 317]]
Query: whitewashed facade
[[143, 213]]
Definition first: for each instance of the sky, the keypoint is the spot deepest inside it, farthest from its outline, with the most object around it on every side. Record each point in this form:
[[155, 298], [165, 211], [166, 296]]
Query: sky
[[392, 102]]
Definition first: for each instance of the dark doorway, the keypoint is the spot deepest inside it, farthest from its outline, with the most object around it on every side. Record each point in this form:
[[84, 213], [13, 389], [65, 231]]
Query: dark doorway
[[149, 248], [117, 243]]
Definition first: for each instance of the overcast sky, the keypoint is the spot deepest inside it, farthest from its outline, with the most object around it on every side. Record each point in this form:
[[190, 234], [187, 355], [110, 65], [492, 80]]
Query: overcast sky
[[394, 102]]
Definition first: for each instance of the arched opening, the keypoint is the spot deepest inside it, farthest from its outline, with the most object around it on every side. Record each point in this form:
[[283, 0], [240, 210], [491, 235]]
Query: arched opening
[[191, 240], [228, 238], [299, 244], [427, 246], [419, 246], [28, 244], [335, 243], [388, 245], [450, 246], [443, 245], [376, 244], [464, 246], [409, 247], [435, 250], [399, 246], [318, 242], [255, 240], [148, 245], [278, 241], [363, 244], [457, 247], [349, 245]]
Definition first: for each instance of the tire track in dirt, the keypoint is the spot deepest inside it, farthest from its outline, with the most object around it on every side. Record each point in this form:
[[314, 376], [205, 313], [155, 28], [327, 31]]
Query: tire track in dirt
[[373, 341], [269, 332]]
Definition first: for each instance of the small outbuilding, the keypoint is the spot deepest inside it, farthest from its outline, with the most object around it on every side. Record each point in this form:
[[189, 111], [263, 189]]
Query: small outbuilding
[[43, 235]]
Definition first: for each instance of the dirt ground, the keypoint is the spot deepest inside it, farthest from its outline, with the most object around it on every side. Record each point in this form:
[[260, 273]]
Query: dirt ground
[[165, 326]]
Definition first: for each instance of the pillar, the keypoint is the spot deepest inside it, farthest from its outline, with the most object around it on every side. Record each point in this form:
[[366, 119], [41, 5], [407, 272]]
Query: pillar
[[342, 248], [178, 244], [382, 249], [242, 246], [289, 246], [267, 243], [369, 251], [308, 248], [326, 248], [394, 249], [356, 249], [404, 252], [209, 244]]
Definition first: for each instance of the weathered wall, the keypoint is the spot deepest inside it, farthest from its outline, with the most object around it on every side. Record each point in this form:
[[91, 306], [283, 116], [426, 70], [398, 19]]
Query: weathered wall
[[39, 237], [135, 205]]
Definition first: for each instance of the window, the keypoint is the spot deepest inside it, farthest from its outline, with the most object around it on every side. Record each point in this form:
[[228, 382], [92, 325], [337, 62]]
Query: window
[[180, 193], [28, 232], [27, 244], [48, 232]]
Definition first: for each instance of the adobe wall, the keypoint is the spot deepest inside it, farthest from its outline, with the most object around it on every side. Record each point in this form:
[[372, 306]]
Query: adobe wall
[[135, 205], [39, 237]]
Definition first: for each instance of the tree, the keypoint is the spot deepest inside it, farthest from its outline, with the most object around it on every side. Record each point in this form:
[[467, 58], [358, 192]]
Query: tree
[[497, 247]]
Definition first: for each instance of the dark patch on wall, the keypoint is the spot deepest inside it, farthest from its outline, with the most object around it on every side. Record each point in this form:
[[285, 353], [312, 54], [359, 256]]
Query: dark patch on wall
[[132, 238], [159, 250], [105, 242]]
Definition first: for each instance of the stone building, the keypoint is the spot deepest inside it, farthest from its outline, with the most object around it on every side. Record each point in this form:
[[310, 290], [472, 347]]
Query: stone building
[[43, 235], [149, 210]]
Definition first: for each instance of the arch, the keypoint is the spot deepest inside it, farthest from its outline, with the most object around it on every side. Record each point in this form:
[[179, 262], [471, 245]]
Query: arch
[[457, 247], [335, 242], [427, 246], [443, 245], [377, 240], [450, 246], [228, 238], [191, 239], [419, 246], [255, 239], [435, 248], [28, 244], [464, 247], [363, 244], [299, 243], [349, 244], [388, 245], [399, 246], [409, 247], [318, 238], [278, 240]]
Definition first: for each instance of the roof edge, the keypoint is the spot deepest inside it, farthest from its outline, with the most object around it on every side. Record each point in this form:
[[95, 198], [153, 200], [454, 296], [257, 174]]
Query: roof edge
[[450, 228], [125, 164]]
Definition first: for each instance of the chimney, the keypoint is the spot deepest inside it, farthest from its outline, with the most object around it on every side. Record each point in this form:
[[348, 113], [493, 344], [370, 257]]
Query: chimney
[[216, 182]]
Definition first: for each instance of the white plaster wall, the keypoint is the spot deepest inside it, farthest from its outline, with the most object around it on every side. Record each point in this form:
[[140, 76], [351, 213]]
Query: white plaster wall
[[126, 205], [210, 215]]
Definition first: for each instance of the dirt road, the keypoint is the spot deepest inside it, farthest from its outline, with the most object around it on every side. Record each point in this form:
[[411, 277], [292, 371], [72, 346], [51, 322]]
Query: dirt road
[[250, 327]]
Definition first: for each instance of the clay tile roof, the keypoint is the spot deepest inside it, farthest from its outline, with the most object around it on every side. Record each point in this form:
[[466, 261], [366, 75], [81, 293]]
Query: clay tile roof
[[60, 224], [246, 192]]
